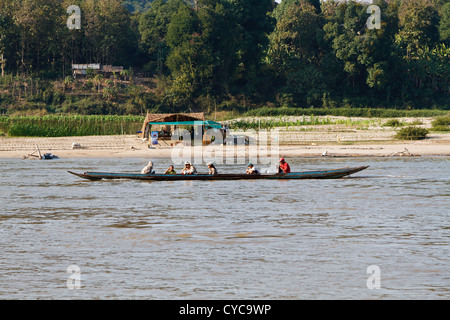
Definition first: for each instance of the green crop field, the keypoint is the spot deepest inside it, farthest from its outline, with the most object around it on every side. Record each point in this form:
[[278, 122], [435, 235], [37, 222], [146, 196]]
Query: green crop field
[[69, 125]]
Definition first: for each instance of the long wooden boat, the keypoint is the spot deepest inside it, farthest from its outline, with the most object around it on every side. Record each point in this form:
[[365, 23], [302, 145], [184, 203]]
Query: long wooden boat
[[328, 174]]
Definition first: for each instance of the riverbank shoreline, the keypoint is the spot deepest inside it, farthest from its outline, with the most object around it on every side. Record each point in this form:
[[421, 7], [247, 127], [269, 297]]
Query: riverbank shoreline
[[132, 146]]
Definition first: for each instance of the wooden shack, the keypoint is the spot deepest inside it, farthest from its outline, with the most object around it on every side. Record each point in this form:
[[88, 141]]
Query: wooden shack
[[81, 70]]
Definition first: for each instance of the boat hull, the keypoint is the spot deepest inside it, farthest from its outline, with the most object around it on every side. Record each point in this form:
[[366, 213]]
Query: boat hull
[[328, 174]]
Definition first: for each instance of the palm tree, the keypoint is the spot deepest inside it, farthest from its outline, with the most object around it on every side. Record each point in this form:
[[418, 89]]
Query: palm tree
[[124, 74], [68, 81], [98, 80]]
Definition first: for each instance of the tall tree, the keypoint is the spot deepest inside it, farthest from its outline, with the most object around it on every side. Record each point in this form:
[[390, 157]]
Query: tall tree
[[316, 4], [6, 40], [203, 46], [36, 21], [364, 52], [106, 26], [219, 34], [295, 50], [186, 60], [342, 30], [153, 26], [416, 43], [371, 70], [444, 25], [254, 25], [418, 21]]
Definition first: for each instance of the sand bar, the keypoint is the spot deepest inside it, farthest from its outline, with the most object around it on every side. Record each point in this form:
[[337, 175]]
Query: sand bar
[[132, 146]]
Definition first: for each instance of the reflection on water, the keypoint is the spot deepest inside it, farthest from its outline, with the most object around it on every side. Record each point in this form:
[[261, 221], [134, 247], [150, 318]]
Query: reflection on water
[[304, 239]]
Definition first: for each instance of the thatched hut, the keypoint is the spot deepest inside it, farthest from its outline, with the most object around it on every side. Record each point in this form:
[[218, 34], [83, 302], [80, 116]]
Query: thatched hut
[[166, 124], [162, 120]]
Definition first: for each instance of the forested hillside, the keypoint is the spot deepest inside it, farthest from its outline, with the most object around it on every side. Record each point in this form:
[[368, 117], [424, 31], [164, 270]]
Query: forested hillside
[[224, 54]]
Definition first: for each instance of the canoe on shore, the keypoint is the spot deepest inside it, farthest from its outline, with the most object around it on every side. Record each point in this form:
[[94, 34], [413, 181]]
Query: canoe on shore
[[328, 174]]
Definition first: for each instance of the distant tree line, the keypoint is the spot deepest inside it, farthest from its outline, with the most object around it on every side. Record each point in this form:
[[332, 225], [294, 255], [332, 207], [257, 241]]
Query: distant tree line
[[243, 53]]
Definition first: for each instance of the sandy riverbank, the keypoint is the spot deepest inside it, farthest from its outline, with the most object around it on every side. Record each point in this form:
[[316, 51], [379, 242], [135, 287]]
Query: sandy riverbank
[[344, 138], [132, 146]]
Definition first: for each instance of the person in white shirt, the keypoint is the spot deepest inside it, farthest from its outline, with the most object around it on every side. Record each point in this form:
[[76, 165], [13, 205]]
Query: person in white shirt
[[212, 168], [251, 169], [188, 169], [148, 169]]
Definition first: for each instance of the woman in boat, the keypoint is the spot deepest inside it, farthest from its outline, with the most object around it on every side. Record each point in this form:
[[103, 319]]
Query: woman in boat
[[212, 168], [188, 169], [148, 169], [283, 167], [251, 169], [171, 170]]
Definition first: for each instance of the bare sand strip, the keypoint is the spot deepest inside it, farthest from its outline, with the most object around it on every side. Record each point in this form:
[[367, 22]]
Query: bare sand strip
[[315, 144]]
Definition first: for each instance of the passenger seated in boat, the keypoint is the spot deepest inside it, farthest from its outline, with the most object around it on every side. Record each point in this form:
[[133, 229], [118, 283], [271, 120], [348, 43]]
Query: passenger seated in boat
[[251, 169], [148, 169], [283, 167], [171, 170], [212, 168], [188, 169]]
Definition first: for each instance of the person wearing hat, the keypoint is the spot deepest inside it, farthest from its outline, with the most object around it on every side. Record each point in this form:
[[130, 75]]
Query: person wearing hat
[[251, 169], [188, 168], [148, 169], [212, 168], [283, 167]]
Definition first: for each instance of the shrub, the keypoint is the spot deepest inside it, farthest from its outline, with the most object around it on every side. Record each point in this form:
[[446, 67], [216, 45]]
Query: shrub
[[441, 124], [441, 121], [393, 123], [441, 128], [416, 123], [412, 133]]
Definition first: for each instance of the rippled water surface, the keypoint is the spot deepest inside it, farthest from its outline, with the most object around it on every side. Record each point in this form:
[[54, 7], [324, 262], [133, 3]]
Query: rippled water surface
[[299, 239]]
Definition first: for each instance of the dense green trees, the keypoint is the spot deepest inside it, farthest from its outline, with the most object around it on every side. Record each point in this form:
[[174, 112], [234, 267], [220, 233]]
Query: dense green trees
[[400, 64], [37, 40], [425, 60], [235, 53], [300, 52], [365, 55]]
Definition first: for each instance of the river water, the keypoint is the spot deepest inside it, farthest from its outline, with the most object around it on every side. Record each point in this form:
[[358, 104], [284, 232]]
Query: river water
[[299, 239]]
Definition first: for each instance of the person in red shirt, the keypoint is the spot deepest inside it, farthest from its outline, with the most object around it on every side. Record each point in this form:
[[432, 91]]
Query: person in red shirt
[[283, 167]]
